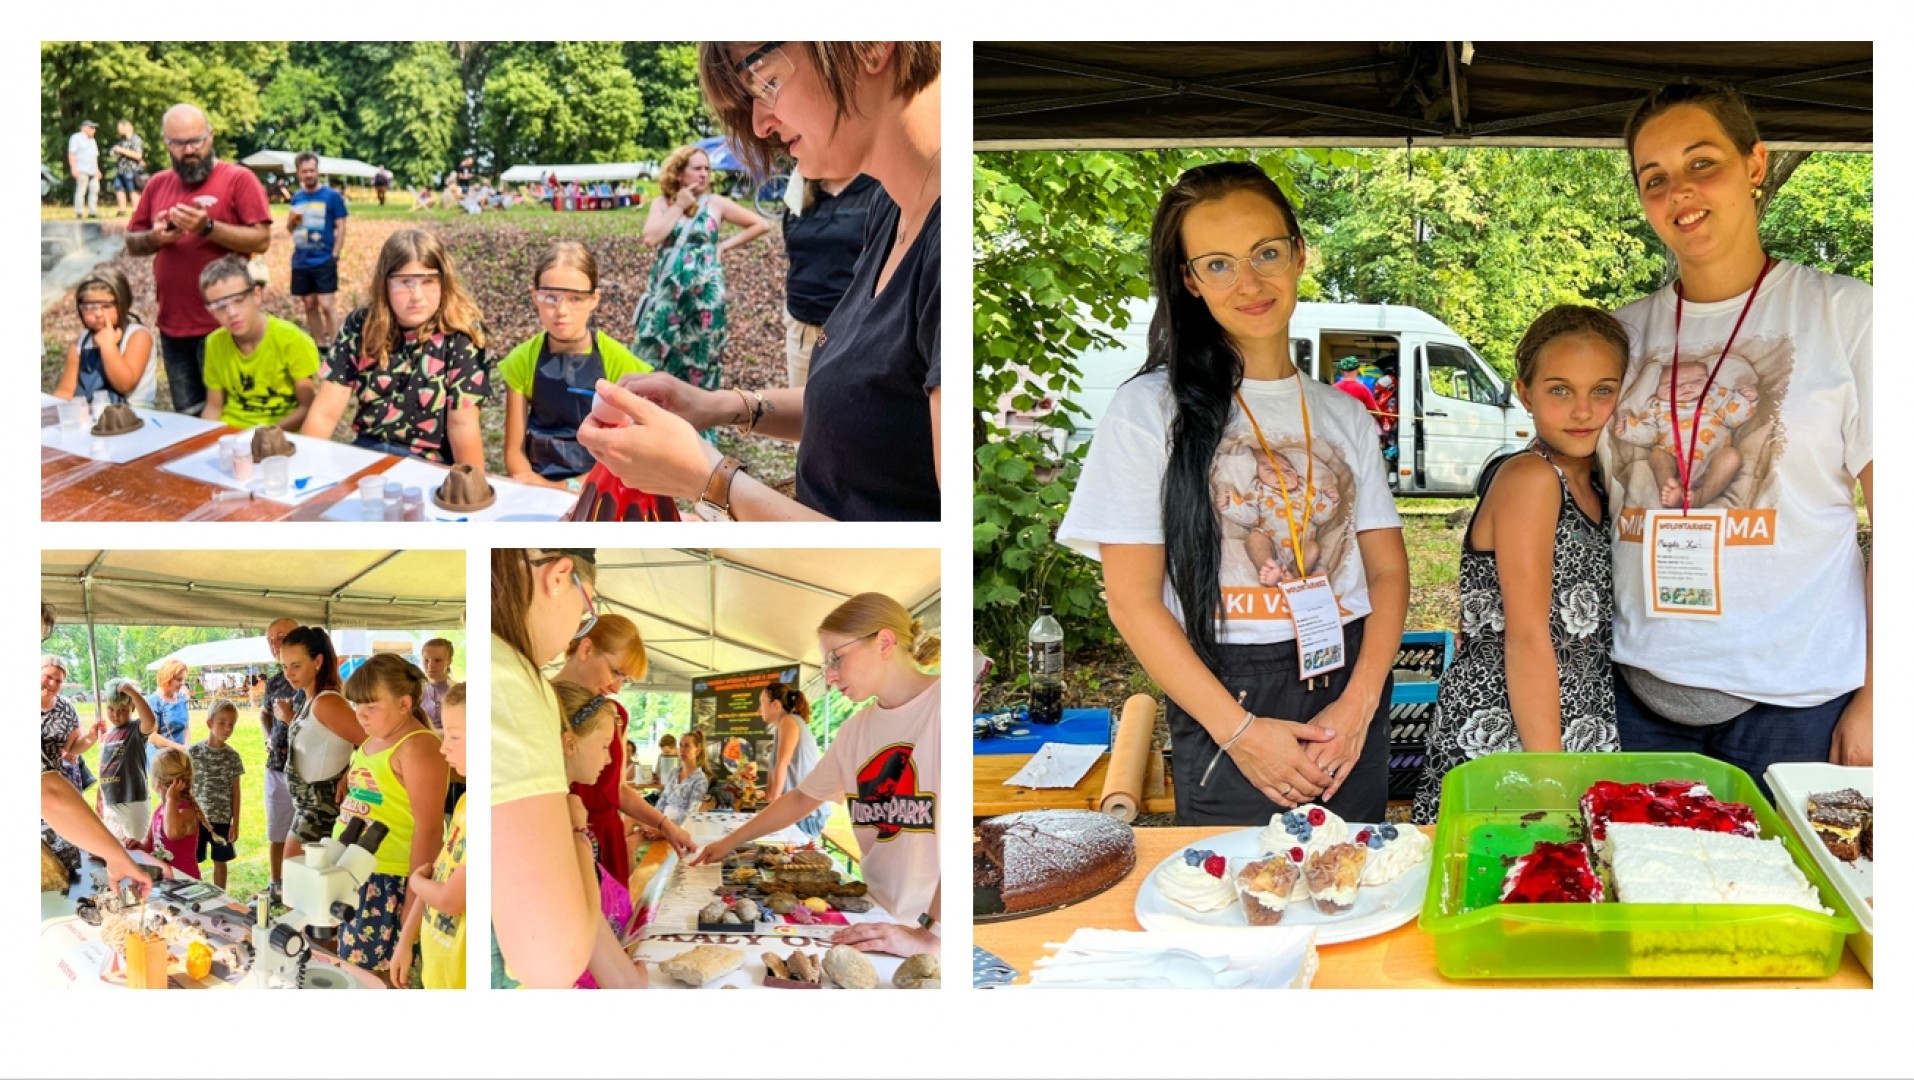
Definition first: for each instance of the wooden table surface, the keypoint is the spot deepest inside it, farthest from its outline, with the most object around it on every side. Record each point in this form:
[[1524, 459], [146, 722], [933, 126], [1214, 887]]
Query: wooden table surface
[[74, 488], [1403, 958], [991, 797]]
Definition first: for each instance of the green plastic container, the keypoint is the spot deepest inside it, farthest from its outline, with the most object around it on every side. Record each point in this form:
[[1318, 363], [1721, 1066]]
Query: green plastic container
[[1496, 807]]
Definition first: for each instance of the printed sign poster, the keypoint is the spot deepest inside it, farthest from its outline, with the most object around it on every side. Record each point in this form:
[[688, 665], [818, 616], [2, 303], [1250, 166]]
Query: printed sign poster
[[725, 709]]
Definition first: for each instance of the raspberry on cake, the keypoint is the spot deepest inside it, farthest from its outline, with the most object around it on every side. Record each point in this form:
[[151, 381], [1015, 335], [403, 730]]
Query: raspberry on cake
[[1685, 804], [1198, 879], [1392, 851], [1552, 873]]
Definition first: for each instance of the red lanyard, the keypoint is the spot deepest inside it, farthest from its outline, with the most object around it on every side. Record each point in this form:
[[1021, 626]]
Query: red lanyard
[[1685, 463]]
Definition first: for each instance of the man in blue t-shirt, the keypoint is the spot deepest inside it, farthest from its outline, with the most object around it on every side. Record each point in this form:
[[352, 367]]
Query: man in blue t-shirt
[[317, 223]]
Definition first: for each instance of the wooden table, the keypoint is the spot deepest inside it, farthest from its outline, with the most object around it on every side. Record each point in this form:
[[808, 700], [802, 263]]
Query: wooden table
[[74, 488], [1403, 958], [990, 796]]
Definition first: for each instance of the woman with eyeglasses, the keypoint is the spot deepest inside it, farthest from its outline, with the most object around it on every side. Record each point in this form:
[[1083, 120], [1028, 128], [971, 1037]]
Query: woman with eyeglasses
[[603, 661], [1274, 541], [884, 763], [545, 900], [869, 414], [681, 321], [411, 362], [549, 379]]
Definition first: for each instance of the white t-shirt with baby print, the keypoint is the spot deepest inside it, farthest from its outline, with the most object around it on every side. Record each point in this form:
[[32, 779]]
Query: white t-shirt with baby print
[[1256, 499], [1787, 429]]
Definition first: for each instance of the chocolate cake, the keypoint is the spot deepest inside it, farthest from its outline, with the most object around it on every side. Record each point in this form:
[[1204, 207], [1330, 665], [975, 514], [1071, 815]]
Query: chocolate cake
[[1041, 858], [1844, 820]]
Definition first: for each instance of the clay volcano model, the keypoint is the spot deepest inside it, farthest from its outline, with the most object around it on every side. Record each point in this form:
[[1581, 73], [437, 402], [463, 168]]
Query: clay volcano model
[[272, 442], [464, 489], [118, 420]]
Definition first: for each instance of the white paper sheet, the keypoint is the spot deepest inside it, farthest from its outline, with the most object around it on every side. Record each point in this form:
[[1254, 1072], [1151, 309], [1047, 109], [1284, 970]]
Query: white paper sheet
[[516, 502], [1056, 765], [161, 430], [1272, 958], [323, 464]]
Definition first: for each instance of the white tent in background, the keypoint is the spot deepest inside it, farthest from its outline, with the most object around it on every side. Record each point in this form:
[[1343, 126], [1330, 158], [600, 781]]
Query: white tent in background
[[253, 651], [584, 174], [281, 161]]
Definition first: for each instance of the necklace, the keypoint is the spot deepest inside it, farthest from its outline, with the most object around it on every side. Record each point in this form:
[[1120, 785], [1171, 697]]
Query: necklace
[[905, 231]]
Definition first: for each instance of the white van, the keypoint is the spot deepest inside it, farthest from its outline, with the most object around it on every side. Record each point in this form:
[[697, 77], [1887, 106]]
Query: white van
[[1456, 412]]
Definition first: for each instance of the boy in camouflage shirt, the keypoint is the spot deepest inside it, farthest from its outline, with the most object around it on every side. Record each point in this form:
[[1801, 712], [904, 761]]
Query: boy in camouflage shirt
[[216, 771]]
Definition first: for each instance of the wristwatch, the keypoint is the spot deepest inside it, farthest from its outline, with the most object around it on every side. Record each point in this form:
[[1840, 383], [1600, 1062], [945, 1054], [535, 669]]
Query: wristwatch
[[924, 920], [715, 503], [207, 230]]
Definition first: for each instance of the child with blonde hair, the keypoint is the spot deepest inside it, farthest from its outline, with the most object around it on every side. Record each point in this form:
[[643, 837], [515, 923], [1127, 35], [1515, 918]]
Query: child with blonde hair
[[398, 768], [173, 834], [216, 771], [437, 921]]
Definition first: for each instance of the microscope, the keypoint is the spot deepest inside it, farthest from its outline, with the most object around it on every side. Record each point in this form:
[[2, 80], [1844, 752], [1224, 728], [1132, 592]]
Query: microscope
[[321, 886]]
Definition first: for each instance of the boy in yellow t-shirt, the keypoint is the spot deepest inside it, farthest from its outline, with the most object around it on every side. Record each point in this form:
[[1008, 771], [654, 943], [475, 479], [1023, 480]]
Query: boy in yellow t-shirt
[[440, 888], [259, 369]]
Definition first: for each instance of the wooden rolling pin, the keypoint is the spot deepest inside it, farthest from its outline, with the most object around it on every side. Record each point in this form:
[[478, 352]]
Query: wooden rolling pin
[[1123, 784]]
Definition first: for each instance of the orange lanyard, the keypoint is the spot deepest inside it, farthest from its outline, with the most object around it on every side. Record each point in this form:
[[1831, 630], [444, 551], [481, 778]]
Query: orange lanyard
[[1309, 483]]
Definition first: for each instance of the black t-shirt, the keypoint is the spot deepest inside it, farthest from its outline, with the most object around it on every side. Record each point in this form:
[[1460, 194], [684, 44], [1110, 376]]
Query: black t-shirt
[[866, 453], [821, 245], [123, 763]]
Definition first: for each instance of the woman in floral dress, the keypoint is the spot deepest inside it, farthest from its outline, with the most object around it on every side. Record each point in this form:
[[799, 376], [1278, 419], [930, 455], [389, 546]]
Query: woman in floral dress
[[681, 321], [1531, 669]]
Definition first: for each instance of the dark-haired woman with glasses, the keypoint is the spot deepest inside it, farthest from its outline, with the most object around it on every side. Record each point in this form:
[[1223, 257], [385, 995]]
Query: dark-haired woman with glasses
[[869, 416], [1251, 550]]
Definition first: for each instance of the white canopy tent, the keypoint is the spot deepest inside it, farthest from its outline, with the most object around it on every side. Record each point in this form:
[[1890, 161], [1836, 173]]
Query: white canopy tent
[[729, 609], [584, 174], [404, 590], [254, 652], [281, 161]]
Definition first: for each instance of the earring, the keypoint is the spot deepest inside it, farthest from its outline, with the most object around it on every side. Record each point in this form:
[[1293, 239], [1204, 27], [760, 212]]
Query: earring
[[1755, 193]]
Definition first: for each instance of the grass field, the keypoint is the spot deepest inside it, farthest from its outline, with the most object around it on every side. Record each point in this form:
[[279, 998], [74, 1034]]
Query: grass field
[[250, 872]]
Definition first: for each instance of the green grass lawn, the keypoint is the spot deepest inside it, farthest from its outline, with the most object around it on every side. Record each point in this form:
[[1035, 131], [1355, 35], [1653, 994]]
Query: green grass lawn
[[250, 872]]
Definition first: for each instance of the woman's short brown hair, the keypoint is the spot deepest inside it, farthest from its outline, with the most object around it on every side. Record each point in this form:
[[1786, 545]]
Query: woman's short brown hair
[[1561, 321], [916, 64], [1721, 101]]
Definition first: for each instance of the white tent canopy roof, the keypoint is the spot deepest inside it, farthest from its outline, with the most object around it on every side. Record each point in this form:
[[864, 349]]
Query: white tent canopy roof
[[729, 609], [254, 652], [282, 161], [379, 589], [584, 174]]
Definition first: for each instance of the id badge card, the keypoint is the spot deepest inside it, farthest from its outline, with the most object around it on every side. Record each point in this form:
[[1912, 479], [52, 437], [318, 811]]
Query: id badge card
[[1682, 564], [1318, 618]]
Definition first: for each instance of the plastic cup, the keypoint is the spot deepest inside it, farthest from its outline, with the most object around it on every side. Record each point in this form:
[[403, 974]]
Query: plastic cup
[[70, 416], [226, 444], [242, 462], [278, 473], [372, 498]]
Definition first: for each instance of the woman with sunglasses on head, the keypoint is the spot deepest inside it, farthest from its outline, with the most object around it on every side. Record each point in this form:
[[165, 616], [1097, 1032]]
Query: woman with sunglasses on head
[[884, 763], [1274, 540], [547, 929], [603, 661], [869, 415], [1746, 410]]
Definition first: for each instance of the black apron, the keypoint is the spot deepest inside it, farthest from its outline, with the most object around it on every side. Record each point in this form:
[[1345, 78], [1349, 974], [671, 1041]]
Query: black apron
[[93, 371], [554, 413]]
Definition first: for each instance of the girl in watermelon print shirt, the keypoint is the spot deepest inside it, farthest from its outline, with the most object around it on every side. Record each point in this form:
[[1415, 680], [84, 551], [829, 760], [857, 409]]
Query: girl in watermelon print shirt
[[411, 362]]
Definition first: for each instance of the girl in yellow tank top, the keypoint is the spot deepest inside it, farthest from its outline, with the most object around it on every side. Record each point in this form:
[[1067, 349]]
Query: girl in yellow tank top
[[397, 768], [436, 921]]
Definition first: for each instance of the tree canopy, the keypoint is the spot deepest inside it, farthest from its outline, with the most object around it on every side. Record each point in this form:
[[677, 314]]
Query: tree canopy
[[414, 107]]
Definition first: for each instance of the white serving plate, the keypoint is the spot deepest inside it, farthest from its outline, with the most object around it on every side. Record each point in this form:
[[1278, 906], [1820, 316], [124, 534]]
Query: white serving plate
[[1378, 908], [1792, 783]]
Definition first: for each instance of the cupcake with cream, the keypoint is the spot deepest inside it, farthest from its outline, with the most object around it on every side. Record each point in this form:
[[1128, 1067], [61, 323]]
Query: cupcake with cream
[[1334, 874], [1300, 833], [1392, 851], [1199, 880], [1266, 885]]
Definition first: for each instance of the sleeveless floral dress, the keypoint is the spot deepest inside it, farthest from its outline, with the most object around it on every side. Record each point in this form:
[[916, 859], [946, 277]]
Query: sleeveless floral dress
[[684, 333], [1472, 715]]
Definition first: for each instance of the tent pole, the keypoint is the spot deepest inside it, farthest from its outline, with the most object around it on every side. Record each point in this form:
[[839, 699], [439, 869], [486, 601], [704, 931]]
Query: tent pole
[[92, 648]]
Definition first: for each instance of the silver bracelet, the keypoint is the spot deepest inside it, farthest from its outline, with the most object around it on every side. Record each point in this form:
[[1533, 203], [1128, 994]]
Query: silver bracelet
[[1248, 719]]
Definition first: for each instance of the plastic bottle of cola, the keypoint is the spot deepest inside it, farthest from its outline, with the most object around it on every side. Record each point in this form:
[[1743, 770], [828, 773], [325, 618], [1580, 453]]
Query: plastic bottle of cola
[[1046, 669]]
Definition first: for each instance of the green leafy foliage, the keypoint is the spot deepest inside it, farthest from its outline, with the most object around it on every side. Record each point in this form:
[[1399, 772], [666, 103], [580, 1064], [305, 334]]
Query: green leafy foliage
[[1824, 215]]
